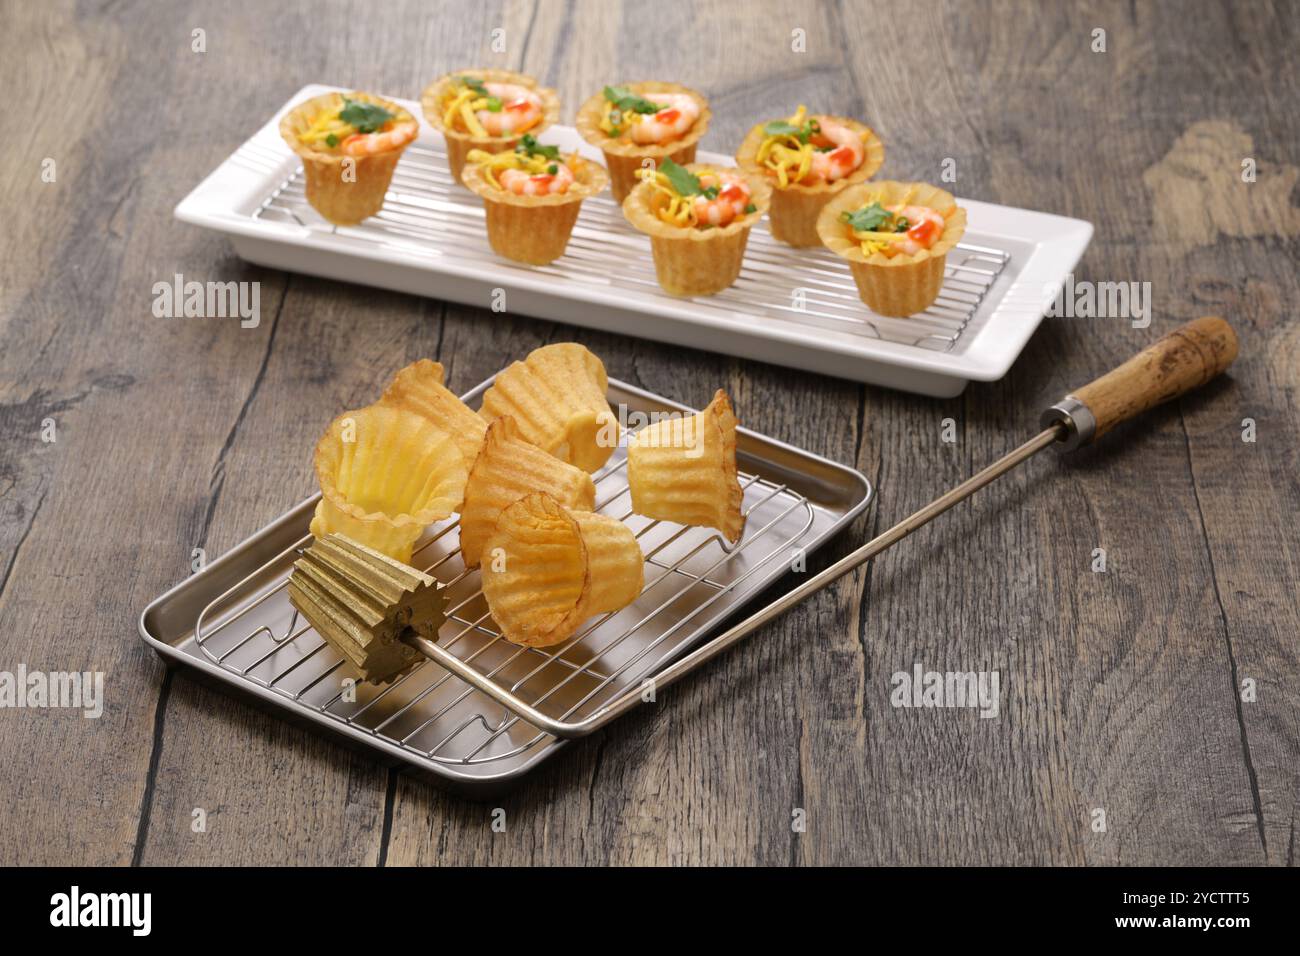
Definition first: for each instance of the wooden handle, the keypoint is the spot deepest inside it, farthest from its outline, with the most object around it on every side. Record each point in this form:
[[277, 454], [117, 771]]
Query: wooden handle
[[1186, 358]]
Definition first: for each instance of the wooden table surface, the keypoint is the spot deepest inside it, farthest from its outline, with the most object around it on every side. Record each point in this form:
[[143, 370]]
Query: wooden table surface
[[1120, 691]]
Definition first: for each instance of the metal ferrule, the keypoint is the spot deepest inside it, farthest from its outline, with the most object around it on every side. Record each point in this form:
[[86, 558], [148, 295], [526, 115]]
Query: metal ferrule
[[1076, 417]]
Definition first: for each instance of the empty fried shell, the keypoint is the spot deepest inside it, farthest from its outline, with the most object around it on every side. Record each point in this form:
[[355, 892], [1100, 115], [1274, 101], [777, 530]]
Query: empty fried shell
[[385, 475], [419, 387], [547, 569], [683, 469], [557, 398], [507, 469]]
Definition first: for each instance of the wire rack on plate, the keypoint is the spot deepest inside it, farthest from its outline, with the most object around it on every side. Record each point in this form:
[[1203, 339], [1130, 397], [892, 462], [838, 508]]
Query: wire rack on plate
[[426, 208]]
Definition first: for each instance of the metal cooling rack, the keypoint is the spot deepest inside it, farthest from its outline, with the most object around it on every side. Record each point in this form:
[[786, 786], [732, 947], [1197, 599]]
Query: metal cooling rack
[[252, 631], [425, 207]]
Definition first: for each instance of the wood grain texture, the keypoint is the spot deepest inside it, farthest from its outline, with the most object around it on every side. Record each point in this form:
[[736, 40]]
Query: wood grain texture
[[1184, 359], [1121, 691]]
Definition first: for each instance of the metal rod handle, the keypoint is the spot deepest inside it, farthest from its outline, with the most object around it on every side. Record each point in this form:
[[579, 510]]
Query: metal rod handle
[[669, 675], [1189, 356], [854, 559]]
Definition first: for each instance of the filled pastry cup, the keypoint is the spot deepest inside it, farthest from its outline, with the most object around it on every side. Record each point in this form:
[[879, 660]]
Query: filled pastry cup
[[799, 192], [532, 227], [507, 469], [385, 475], [605, 124], [684, 470], [347, 170], [894, 276], [553, 568], [444, 102], [691, 255], [557, 398]]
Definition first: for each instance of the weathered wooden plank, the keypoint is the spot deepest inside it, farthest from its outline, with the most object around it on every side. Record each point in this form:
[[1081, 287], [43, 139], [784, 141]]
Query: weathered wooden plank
[[1120, 690]]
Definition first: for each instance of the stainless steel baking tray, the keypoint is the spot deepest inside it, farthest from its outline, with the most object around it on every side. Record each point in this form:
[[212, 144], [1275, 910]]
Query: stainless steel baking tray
[[232, 621]]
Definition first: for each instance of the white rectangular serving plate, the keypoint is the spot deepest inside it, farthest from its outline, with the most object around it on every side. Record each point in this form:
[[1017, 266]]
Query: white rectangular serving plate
[[791, 307]]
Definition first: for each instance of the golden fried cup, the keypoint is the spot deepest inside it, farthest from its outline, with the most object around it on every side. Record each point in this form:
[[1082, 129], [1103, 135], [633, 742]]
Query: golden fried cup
[[557, 398], [460, 142], [385, 475], [688, 260], [683, 469], [344, 189], [901, 285], [419, 387], [547, 569], [795, 208], [623, 159], [507, 469], [534, 229]]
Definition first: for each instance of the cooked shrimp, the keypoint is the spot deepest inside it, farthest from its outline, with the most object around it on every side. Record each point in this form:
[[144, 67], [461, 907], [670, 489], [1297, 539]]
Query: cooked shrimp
[[521, 110], [537, 184], [667, 124], [731, 201], [924, 226], [846, 156], [367, 144]]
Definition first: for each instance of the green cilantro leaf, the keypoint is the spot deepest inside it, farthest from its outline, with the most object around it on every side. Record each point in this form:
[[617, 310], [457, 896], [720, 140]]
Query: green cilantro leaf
[[528, 146], [331, 140], [627, 101], [683, 181], [868, 218], [494, 104], [473, 83], [365, 117], [751, 208], [781, 128]]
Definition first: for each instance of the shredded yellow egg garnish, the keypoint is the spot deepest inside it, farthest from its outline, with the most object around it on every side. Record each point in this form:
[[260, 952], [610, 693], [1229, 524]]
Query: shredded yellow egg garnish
[[463, 101], [607, 125], [785, 155], [493, 164], [671, 207], [326, 124], [873, 241]]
